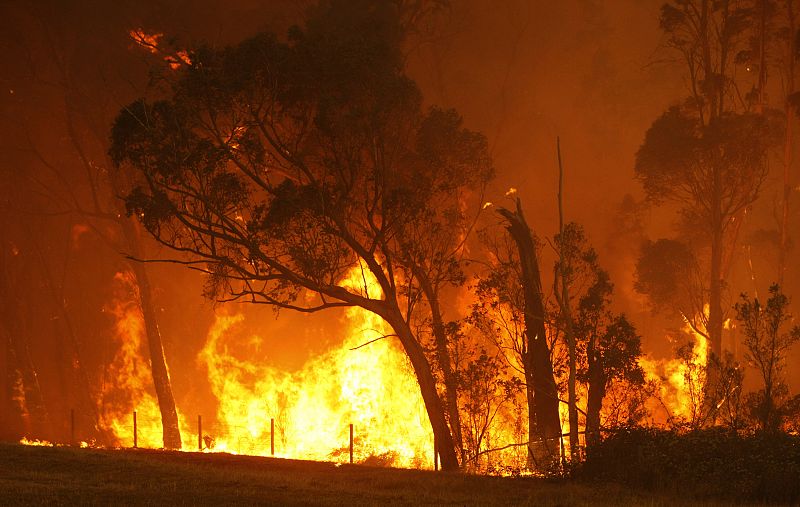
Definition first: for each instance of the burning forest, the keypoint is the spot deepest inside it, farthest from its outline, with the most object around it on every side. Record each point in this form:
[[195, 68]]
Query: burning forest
[[536, 239]]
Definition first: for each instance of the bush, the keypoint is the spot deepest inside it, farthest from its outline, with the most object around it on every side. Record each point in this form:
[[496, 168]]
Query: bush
[[709, 463]]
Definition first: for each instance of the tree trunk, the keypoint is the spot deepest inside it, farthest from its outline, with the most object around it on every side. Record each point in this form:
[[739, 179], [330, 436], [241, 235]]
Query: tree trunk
[[445, 363], [566, 318], [594, 402], [87, 415], [715, 282], [427, 385], [788, 148], [158, 362], [536, 353]]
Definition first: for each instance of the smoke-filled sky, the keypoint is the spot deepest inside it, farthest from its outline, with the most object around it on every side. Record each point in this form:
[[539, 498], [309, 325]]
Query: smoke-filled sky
[[523, 72]]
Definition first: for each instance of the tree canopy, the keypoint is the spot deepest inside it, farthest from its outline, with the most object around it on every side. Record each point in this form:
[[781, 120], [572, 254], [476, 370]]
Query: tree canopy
[[278, 166]]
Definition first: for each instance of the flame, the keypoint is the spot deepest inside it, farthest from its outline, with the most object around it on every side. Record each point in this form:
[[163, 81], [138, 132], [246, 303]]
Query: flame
[[680, 381], [370, 386], [35, 442], [128, 387], [151, 42]]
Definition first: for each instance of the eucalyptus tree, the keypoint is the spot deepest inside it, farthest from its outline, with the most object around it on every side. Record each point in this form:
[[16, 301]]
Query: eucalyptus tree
[[276, 167]]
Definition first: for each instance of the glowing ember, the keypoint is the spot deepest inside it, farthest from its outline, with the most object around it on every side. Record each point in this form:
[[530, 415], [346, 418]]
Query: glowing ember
[[34, 442]]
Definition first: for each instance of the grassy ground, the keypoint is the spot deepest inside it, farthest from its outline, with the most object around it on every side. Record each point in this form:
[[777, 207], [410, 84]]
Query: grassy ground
[[46, 475]]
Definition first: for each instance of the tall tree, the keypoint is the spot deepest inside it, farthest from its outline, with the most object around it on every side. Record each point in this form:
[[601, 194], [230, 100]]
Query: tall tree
[[532, 346], [76, 178], [275, 167], [708, 154]]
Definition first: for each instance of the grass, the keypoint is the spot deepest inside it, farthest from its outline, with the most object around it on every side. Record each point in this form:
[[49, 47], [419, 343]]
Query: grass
[[69, 476]]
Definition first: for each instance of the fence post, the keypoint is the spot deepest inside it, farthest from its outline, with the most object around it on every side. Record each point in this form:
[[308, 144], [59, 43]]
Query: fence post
[[200, 433], [135, 436], [435, 454], [272, 436], [351, 443], [72, 426]]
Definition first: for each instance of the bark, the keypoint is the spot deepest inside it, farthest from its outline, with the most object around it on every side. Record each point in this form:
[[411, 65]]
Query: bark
[[566, 317], [715, 282], [445, 363], [158, 361], [427, 384], [594, 402], [537, 367], [788, 148]]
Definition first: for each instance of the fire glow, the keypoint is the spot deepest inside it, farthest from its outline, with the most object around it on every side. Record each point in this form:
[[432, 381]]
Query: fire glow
[[369, 386], [365, 381]]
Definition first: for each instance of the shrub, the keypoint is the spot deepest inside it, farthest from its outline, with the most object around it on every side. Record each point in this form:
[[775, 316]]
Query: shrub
[[707, 463]]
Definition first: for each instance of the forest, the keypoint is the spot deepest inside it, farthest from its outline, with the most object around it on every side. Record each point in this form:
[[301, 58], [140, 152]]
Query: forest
[[549, 239]]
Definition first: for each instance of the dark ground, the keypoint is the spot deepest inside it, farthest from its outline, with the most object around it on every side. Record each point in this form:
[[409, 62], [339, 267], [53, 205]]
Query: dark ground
[[46, 475]]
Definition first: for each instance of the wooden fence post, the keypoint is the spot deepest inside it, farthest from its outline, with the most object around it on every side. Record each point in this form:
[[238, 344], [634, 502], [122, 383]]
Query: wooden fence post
[[200, 433], [351, 443], [135, 436], [272, 436], [435, 454]]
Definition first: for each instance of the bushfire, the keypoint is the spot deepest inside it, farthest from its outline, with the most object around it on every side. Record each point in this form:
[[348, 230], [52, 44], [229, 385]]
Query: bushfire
[[359, 396]]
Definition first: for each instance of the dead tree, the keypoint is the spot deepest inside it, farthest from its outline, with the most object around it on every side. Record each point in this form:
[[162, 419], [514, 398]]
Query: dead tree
[[541, 391]]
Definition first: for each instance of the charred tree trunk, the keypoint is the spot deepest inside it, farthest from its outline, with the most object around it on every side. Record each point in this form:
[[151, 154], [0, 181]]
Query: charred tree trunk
[[715, 282], [566, 318], [31, 406], [594, 402], [445, 363], [427, 385], [536, 363], [158, 361], [86, 404], [15, 321]]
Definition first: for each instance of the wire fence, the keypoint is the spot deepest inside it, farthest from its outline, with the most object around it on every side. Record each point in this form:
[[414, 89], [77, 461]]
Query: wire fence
[[269, 437]]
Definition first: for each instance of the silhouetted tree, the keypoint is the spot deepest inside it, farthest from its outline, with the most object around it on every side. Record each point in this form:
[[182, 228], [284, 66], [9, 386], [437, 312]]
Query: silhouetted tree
[[78, 181], [515, 288], [610, 348], [708, 154], [668, 273], [767, 345], [276, 167]]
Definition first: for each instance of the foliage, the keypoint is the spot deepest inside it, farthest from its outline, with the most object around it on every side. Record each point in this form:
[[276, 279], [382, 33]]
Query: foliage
[[707, 154], [484, 391], [279, 165], [276, 167], [668, 273], [767, 345], [702, 464]]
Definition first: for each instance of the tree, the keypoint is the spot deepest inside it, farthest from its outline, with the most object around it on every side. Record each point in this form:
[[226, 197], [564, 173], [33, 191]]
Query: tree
[[607, 347], [767, 345], [77, 180], [668, 273], [276, 167], [485, 391], [523, 291], [708, 154], [610, 347], [562, 287]]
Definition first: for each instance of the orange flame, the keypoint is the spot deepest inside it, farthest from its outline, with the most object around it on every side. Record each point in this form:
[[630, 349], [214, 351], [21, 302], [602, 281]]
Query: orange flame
[[680, 381], [371, 387], [128, 386]]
